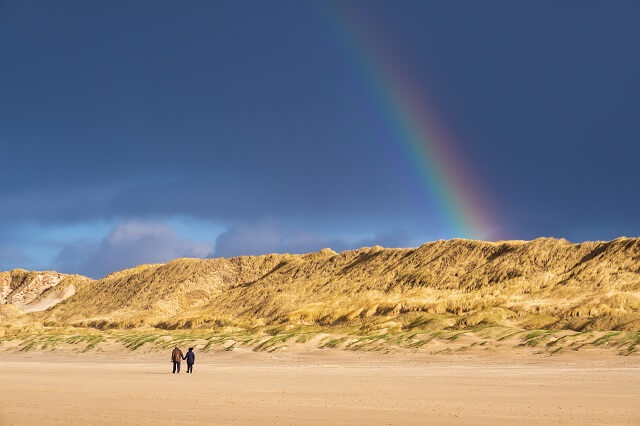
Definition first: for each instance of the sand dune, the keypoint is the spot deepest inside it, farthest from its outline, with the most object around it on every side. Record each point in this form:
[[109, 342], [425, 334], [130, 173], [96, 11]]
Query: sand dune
[[540, 284], [37, 290]]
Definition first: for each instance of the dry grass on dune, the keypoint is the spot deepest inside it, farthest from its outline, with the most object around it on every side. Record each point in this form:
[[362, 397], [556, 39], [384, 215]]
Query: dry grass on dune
[[455, 285]]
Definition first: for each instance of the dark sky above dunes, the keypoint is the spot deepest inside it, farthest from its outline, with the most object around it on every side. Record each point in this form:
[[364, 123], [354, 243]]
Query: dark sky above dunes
[[137, 132]]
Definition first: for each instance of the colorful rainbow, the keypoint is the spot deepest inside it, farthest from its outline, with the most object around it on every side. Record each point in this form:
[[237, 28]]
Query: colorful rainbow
[[430, 151]]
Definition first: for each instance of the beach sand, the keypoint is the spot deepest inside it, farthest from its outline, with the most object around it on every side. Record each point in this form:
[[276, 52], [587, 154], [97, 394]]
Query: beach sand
[[319, 387]]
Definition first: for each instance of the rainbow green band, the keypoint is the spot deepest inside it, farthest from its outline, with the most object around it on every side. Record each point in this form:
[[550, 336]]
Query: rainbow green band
[[429, 152]]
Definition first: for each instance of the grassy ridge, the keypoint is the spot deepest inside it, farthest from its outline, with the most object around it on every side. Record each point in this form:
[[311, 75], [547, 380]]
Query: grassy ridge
[[449, 287]]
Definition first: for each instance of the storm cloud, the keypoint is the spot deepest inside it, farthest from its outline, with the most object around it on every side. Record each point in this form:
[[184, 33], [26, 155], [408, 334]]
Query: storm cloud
[[260, 125], [270, 237]]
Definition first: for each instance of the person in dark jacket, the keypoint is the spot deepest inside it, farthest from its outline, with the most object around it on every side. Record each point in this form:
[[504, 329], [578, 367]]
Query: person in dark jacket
[[191, 359], [176, 357]]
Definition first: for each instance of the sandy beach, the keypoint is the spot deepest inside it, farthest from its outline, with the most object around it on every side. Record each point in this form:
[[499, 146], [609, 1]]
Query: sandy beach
[[319, 387]]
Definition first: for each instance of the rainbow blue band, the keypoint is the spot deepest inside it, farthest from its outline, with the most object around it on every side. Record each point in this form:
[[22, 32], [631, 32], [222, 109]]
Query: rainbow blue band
[[429, 151]]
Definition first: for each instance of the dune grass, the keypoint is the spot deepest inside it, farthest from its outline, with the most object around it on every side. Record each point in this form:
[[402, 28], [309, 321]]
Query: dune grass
[[271, 339]]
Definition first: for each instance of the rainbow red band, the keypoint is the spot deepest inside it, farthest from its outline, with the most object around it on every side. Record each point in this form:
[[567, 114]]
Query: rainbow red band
[[433, 156]]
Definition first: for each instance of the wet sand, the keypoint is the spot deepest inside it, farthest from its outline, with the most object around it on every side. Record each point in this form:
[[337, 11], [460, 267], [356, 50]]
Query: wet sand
[[321, 387]]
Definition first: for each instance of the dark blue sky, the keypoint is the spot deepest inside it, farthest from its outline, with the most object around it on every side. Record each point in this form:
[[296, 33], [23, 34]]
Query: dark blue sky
[[139, 131]]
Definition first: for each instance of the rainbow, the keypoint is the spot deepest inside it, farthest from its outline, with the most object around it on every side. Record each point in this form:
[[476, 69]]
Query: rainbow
[[430, 151]]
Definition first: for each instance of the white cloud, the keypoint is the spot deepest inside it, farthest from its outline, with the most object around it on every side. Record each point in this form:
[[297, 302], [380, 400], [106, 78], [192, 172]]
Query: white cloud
[[248, 239], [128, 244]]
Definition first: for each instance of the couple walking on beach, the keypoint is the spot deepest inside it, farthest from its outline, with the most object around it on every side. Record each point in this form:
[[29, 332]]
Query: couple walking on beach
[[177, 357]]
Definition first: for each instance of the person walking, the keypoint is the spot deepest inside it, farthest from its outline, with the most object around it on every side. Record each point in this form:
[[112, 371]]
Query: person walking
[[176, 357], [191, 359]]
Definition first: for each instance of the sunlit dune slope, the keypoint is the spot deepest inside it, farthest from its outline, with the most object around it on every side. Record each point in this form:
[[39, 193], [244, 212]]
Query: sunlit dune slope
[[36, 291], [545, 283]]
